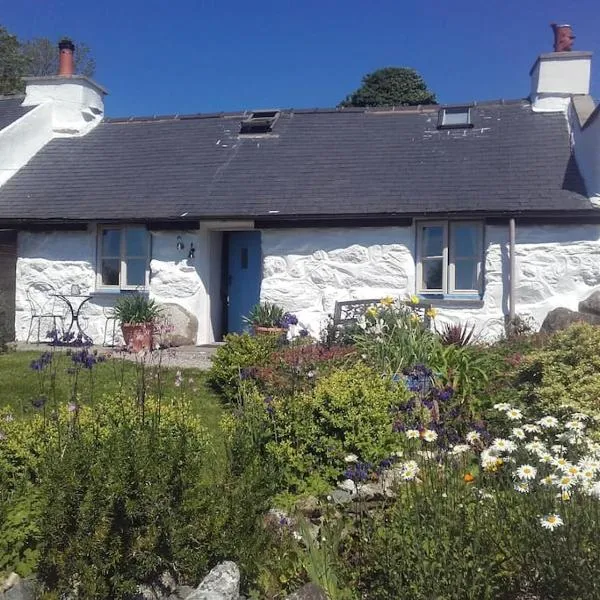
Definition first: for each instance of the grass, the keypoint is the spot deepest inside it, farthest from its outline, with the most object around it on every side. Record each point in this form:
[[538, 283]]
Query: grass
[[20, 384]]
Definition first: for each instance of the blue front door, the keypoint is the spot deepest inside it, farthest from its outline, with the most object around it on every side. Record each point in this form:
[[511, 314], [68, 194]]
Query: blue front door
[[244, 270]]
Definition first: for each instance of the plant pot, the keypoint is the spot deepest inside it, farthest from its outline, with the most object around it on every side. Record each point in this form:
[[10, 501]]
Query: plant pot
[[258, 330], [138, 336]]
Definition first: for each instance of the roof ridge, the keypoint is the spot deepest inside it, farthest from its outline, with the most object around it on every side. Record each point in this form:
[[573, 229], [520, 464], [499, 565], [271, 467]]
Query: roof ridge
[[304, 111]]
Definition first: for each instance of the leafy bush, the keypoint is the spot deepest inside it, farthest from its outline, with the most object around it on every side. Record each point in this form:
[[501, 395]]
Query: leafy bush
[[136, 309], [309, 434], [566, 371], [232, 361]]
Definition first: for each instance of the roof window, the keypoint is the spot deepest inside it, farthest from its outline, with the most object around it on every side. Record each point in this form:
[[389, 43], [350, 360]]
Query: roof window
[[259, 121], [454, 117]]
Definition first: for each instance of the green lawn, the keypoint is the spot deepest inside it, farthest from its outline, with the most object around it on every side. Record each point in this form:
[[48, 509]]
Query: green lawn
[[20, 384]]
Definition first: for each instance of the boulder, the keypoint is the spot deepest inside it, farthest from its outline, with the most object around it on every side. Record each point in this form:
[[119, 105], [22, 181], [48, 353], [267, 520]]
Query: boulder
[[182, 326], [222, 583], [15, 588], [310, 591], [591, 305], [561, 318]]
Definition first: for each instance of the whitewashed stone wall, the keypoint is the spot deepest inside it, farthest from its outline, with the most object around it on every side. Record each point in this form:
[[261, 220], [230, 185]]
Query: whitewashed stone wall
[[307, 270], [54, 261]]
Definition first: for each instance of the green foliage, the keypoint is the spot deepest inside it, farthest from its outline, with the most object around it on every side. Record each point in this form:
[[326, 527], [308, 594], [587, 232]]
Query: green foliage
[[391, 86], [309, 434], [457, 334], [231, 361], [13, 65], [136, 308], [265, 314], [565, 372]]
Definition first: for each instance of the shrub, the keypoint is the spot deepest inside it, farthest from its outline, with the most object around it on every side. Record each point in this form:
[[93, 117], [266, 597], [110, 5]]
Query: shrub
[[232, 361], [350, 411], [566, 371], [458, 334]]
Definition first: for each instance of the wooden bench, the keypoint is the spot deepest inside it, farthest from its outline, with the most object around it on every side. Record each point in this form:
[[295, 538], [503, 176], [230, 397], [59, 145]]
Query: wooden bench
[[348, 312]]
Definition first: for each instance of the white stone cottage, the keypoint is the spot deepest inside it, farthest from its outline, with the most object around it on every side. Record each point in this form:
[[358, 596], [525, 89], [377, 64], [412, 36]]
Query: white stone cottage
[[211, 212]]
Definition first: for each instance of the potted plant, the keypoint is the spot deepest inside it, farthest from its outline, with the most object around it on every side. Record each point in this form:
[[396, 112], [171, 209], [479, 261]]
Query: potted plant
[[137, 314], [268, 318]]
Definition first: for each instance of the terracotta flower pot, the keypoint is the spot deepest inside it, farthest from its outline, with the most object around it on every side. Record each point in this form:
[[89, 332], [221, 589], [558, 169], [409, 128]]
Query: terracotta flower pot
[[258, 330], [137, 336]]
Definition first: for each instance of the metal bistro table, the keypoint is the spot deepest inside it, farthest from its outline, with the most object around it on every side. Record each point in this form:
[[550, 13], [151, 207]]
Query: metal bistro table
[[75, 310]]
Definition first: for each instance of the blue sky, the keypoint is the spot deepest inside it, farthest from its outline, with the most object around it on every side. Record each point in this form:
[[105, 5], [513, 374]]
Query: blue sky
[[185, 56]]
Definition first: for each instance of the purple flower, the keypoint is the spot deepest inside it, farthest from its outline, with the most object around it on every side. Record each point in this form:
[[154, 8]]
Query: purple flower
[[304, 333], [358, 472], [288, 319], [72, 407]]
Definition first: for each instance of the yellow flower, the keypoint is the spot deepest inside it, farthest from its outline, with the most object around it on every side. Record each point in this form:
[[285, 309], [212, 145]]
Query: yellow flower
[[414, 299], [414, 317], [371, 311], [387, 301], [431, 313]]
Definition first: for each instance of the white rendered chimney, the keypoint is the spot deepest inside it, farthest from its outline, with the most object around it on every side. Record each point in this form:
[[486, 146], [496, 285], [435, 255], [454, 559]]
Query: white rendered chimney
[[558, 75], [77, 101]]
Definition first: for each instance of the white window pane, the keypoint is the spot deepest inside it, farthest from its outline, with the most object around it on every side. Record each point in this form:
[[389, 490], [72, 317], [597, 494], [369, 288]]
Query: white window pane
[[111, 242], [433, 240], [136, 271], [465, 274], [110, 271], [465, 240], [433, 274], [136, 242]]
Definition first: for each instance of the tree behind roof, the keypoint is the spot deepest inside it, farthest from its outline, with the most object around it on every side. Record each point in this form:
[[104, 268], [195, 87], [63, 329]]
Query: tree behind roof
[[391, 86]]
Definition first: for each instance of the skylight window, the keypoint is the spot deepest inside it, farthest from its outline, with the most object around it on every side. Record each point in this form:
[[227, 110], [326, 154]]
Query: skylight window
[[455, 117], [260, 121]]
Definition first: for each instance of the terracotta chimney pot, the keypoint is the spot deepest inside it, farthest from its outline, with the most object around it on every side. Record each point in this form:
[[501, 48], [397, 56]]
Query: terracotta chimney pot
[[66, 60], [563, 37]]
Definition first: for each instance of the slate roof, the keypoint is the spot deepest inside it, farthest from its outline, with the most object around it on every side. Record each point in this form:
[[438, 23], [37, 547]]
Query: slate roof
[[11, 110], [316, 163]]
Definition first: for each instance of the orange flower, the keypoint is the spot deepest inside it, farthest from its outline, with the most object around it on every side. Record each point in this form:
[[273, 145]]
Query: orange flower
[[468, 478]]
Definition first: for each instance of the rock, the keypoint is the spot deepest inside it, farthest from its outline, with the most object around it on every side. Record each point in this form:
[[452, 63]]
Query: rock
[[561, 318], [181, 593], [310, 591], [184, 324], [15, 588], [591, 305], [309, 507], [348, 485], [373, 491], [340, 496], [222, 583]]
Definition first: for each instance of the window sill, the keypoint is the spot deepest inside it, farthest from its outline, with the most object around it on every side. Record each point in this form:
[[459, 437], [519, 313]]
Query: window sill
[[117, 291], [451, 301]]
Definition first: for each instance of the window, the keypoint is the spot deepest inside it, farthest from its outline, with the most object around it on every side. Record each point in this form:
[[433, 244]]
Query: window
[[449, 257], [123, 257], [455, 117], [260, 121]]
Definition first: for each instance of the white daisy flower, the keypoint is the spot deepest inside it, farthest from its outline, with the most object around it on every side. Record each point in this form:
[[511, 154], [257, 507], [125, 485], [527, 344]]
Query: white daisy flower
[[514, 414], [561, 462], [413, 434], [536, 447], [518, 432], [565, 482], [572, 470], [522, 487], [503, 445], [429, 435], [410, 470], [549, 480], [460, 448], [503, 406], [531, 428], [587, 475], [574, 425], [595, 489], [551, 522], [473, 436], [526, 472], [587, 462], [351, 458], [558, 449], [548, 422], [489, 459], [579, 416], [545, 457]]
